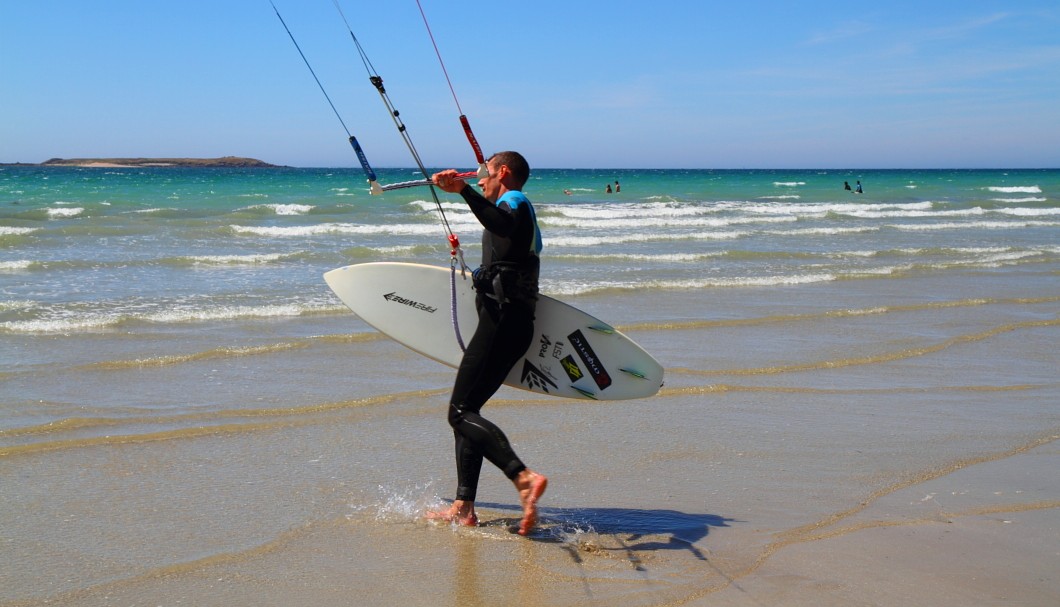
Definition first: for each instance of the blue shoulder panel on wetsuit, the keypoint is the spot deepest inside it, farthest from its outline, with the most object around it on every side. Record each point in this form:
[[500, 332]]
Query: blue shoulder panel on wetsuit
[[515, 199]]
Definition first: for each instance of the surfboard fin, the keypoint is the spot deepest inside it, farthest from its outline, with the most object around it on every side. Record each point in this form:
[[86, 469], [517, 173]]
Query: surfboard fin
[[585, 393], [605, 329], [634, 373]]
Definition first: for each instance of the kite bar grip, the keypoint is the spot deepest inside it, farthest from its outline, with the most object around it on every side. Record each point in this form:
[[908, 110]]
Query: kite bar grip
[[471, 139], [421, 182]]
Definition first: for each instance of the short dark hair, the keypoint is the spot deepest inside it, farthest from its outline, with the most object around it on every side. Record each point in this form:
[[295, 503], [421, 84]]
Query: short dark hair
[[515, 162]]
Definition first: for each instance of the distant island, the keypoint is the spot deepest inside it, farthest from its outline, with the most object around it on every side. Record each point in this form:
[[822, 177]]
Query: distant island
[[226, 161]]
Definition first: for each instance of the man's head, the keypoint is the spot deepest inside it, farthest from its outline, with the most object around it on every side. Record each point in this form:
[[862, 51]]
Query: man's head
[[508, 171]]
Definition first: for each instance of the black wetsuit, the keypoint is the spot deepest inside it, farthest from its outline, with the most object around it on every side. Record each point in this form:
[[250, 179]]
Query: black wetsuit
[[507, 291]]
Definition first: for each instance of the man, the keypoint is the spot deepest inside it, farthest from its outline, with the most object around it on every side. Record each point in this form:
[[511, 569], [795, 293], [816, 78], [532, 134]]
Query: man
[[506, 285]]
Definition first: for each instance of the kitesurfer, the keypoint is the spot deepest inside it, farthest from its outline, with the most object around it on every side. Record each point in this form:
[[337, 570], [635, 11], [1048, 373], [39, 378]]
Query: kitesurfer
[[506, 284]]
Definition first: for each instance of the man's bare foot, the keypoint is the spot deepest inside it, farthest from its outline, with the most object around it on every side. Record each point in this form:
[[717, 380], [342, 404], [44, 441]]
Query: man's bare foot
[[531, 487], [461, 513]]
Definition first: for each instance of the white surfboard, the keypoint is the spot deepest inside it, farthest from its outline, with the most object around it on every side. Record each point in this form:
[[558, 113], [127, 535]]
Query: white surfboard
[[573, 354]]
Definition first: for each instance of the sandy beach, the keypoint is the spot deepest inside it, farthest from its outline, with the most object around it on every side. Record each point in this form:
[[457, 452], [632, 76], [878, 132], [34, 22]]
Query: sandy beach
[[982, 535], [915, 464], [119, 163], [113, 165]]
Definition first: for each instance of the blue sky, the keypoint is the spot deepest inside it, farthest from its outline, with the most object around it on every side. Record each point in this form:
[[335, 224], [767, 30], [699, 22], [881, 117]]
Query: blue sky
[[580, 83]]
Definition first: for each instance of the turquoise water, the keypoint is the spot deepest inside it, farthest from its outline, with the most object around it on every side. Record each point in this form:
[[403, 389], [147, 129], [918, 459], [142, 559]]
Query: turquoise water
[[96, 249]]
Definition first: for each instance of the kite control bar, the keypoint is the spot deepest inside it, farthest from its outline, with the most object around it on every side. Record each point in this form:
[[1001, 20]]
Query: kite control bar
[[420, 182]]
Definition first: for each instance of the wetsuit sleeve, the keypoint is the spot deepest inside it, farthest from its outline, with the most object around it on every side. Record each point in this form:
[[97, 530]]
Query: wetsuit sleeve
[[492, 217]]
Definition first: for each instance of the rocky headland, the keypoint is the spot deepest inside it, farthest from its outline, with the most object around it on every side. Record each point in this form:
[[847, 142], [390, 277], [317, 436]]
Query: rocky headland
[[225, 161]]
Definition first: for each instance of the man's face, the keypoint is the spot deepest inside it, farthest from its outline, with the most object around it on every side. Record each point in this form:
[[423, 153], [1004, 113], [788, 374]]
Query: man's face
[[491, 186]]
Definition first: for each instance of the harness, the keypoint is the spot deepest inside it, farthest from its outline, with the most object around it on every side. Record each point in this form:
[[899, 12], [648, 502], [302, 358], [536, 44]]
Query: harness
[[506, 281]]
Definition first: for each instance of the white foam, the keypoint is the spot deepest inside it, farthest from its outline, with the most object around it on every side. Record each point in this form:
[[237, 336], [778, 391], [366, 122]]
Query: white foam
[[818, 210], [592, 211], [71, 321], [905, 213], [1019, 200], [986, 225], [1003, 258], [228, 260], [7, 306], [61, 325], [399, 250], [425, 205], [956, 250], [659, 222], [823, 231], [569, 288], [336, 228], [14, 266], [987, 261], [65, 212], [1030, 189], [14, 231], [284, 209], [841, 254], [788, 184], [291, 209], [883, 271], [226, 313], [1020, 212], [592, 241], [661, 257]]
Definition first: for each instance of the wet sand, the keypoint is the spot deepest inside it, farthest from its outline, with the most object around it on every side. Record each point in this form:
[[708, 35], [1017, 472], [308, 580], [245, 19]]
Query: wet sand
[[999, 547], [885, 443]]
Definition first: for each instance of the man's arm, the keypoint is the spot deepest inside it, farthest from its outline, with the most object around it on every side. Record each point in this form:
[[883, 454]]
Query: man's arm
[[496, 219]]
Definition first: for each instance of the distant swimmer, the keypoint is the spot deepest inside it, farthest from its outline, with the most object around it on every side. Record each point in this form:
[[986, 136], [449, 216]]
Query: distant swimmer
[[618, 188], [846, 185], [608, 190], [567, 192], [857, 189]]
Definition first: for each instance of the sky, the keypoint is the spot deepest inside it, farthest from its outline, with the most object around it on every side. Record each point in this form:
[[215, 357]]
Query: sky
[[571, 84]]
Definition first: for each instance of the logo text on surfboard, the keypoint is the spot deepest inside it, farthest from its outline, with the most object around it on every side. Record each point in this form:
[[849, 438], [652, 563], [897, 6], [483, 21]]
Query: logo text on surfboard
[[394, 297], [592, 363]]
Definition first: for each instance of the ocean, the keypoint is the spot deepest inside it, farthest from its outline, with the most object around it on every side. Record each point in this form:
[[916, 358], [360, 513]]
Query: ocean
[[96, 250], [183, 401]]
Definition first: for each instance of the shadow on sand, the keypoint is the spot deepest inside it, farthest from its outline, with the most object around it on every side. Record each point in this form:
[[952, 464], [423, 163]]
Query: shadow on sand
[[633, 530]]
